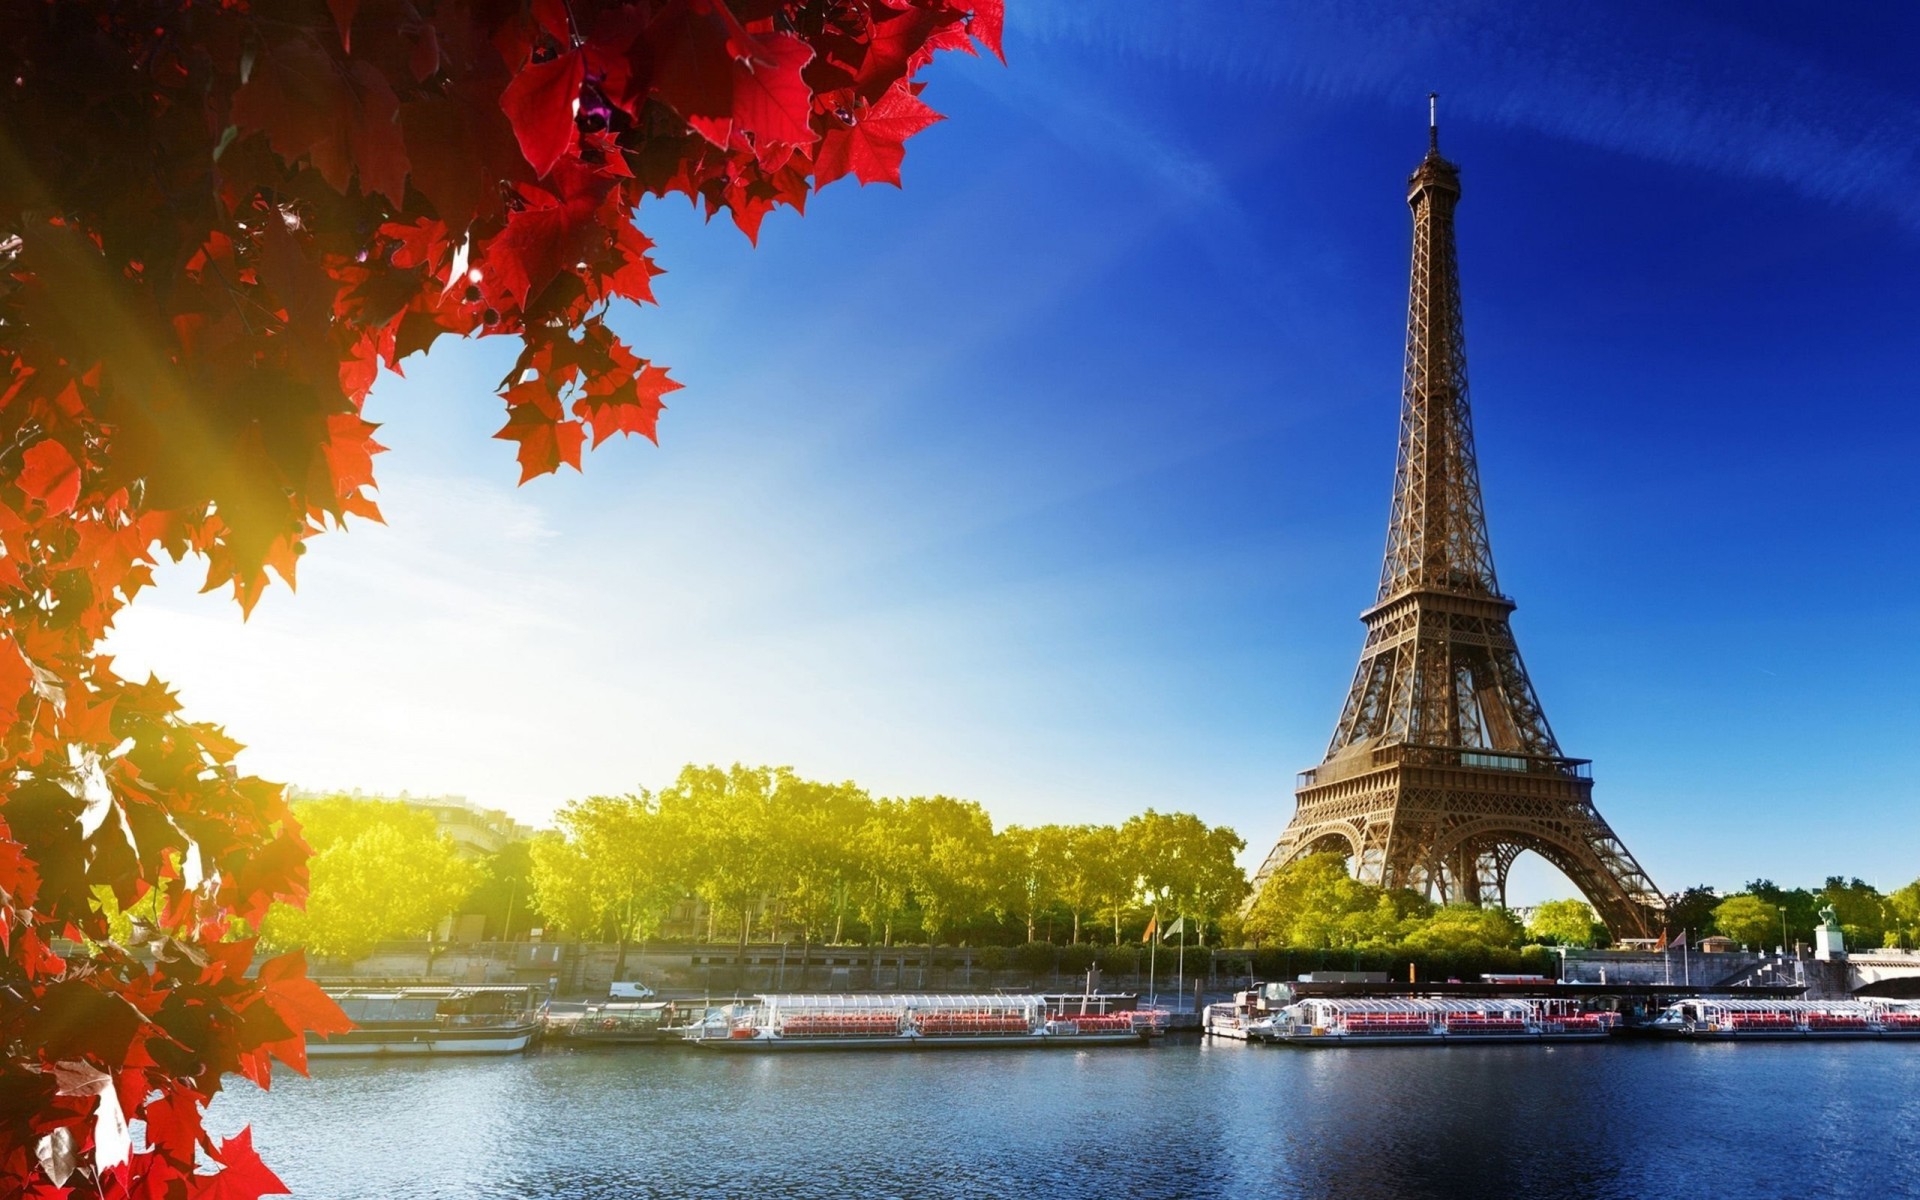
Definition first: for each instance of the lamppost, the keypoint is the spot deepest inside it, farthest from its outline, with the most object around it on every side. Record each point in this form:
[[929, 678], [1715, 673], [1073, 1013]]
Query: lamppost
[[1783, 928]]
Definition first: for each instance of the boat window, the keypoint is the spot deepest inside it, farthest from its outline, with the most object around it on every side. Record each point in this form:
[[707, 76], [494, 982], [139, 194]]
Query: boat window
[[392, 1008]]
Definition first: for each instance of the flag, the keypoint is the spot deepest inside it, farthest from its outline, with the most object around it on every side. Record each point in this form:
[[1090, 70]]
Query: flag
[[1153, 923], [1679, 943], [1179, 926]]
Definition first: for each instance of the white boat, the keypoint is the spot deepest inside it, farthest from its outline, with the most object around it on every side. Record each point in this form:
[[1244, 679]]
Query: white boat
[[1723, 1019], [908, 1022], [609, 1022], [430, 1021], [1436, 1022], [1249, 1016]]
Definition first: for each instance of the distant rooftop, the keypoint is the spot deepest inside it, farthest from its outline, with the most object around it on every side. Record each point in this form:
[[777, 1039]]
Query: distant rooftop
[[483, 830]]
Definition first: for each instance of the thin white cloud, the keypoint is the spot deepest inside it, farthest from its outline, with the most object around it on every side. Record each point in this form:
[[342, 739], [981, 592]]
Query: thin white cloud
[[1680, 88]]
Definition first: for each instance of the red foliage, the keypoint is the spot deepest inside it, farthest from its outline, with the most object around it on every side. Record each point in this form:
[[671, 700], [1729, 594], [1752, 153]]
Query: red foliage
[[218, 220]]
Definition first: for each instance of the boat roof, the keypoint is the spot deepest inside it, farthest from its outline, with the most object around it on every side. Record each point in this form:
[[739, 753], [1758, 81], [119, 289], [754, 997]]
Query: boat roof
[[1833, 1007], [935, 1001], [426, 992], [1579, 991], [1423, 1007]]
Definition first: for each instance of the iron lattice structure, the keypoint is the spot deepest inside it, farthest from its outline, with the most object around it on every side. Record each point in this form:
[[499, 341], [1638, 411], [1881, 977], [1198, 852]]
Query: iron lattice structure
[[1443, 769]]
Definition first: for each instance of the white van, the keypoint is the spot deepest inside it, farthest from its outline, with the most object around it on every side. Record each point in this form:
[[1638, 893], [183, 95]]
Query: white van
[[629, 989]]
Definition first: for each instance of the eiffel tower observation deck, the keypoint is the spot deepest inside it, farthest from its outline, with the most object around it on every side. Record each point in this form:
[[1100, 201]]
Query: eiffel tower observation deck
[[1443, 769]]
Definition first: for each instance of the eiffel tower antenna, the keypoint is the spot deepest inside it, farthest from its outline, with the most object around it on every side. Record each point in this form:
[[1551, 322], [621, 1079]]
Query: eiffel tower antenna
[[1442, 769]]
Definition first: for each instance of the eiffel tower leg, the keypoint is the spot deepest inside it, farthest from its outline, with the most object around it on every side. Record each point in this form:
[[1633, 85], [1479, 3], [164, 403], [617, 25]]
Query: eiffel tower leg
[[1466, 873], [1371, 864], [1490, 874]]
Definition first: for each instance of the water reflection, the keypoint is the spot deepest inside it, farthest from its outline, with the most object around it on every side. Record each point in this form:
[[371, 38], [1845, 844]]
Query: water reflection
[[1628, 1121]]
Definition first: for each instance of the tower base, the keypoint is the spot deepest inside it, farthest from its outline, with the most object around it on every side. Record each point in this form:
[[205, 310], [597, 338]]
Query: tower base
[[1449, 823]]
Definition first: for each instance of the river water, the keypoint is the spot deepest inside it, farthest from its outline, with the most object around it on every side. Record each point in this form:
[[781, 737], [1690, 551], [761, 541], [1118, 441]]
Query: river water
[[1179, 1119]]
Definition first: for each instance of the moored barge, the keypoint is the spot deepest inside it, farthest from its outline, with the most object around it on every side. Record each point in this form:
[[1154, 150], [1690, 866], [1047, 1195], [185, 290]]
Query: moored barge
[[925, 1022], [1704, 1018], [609, 1022], [1249, 1016], [1327, 1022], [430, 1021]]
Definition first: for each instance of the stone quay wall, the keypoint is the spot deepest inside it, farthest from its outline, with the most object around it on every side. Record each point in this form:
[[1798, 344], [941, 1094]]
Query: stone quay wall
[[585, 969]]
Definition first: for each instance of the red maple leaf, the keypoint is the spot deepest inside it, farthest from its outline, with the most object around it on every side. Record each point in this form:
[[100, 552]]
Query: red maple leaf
[[244, 1176], [297, 1000], [16, 682], [895, 43], [540, 103], [300, 1005], [49, 474], [343, 11], [631, 407], [340, 119], [634, 278], [550, 234], [462, 146], [988, 24], [174, 1125], [692, 69], [872, 148], [544, 434], [771, 100]]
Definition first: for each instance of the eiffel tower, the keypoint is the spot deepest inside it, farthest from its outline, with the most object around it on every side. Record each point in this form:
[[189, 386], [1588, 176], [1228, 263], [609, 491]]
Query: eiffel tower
[[1443, 769]]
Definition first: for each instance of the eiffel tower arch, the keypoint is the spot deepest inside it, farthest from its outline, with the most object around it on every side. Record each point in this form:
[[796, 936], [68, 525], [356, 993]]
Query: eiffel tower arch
[[1442, 769]]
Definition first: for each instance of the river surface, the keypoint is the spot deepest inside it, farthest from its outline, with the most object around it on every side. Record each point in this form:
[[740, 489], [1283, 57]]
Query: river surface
[[1178, 1119]]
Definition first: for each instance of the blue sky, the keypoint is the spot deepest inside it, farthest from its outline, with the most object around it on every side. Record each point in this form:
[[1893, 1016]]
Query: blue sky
[[1058, 479]]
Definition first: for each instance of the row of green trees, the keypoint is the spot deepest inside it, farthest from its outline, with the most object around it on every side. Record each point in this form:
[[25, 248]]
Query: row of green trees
[[1763, 913], [773, 854], [766, 853], [1315, 904], [380, 869]]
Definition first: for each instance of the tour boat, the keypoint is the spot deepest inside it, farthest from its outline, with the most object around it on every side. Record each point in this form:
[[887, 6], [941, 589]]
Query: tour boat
[[608, 1022], [1719, 1019], [1435, 1022], [904, 1022], [430, 1021]]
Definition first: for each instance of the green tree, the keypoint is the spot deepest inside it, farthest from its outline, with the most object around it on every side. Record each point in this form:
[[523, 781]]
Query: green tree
[[1861, 909], [504, 895], [1691, 909], [621, 868], [1464, 929], [1313, 903], [380, 870], [820, 824], [1903, 916], [1034, 870], [886, 852], [1210, 884], [1802, 905], [1562, 923], [1183, 867], [952, 876], [1747, 919], [562, 883], [1098, 881], [730, 820]]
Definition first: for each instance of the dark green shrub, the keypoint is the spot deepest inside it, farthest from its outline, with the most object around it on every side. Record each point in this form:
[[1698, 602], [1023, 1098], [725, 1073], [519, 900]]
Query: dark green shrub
[[1119, 960], [1035, 958], [1074, 960]]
